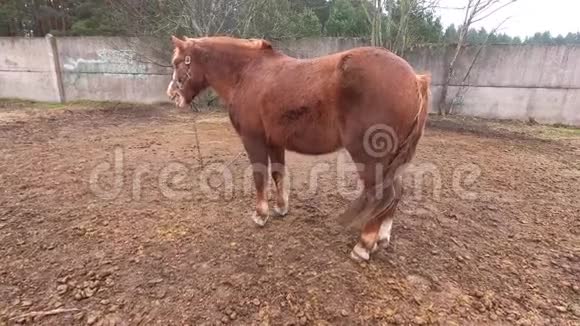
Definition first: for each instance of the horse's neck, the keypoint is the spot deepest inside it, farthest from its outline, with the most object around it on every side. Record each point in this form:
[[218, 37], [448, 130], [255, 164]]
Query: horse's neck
[[225, 69]]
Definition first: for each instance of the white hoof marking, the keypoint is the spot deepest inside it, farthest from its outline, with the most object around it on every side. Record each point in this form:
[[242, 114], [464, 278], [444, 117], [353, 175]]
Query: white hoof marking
[[281, 211], [385, 231], [383, 244], [259, 220], [359, 253]]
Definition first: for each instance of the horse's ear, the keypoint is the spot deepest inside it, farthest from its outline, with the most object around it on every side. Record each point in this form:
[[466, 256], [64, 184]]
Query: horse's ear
[[266, 45], [177, 42]]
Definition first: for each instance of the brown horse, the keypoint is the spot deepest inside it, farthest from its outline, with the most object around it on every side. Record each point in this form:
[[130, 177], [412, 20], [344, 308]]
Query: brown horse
[[366, 100]]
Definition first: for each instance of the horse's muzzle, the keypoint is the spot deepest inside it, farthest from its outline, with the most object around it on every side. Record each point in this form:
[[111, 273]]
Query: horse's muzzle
[[171, 91], [175, 96]]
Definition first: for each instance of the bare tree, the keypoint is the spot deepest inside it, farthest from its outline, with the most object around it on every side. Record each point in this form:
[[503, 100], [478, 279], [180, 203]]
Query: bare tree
[[245, 18], [194, 17], [464, 86], [154, 20], [474, 11], [374, 14], [390, 31]]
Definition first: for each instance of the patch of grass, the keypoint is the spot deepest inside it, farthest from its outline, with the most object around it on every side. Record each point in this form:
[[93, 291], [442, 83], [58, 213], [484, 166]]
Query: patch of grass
[[8, 103], [562, 130], [507, 128]]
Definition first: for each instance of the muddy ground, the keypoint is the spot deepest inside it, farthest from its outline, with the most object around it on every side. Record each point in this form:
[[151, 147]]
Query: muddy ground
[[103, 221]]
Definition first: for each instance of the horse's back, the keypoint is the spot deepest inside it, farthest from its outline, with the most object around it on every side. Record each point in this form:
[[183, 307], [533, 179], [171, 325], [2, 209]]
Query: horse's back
[[375, 86], [295, 100], [309, 105]]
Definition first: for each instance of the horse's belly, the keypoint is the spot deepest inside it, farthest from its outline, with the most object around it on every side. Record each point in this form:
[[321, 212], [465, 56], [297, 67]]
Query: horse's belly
[[306, 125], [312, 143]]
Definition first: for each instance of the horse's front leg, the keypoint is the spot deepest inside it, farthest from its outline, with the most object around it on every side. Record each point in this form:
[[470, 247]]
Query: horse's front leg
[[277, 165], [258, 154]]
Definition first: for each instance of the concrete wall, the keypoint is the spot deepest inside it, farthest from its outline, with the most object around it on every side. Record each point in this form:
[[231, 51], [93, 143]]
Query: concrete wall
[[515, 82], [26, 70], [113, 69], [510, 81], [315, 47]]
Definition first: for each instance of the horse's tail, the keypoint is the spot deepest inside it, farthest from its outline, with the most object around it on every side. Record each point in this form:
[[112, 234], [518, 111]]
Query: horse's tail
[[423, 84], [392, 189], [407, 148]]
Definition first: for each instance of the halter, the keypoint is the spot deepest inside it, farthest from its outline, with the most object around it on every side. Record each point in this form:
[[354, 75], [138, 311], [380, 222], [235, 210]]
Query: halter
[[187, 75]]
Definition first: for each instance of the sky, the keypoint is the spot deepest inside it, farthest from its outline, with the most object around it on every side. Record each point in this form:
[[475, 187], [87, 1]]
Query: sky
[[526, 16]]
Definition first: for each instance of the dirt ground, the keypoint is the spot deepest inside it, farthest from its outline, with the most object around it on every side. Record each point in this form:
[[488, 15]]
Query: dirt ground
[[492, 237]]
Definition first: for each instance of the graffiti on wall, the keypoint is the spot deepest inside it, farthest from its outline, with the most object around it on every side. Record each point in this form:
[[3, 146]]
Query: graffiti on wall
[[108, 62]]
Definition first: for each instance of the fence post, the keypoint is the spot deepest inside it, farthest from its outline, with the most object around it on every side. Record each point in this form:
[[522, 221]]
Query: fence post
[[55, 66]]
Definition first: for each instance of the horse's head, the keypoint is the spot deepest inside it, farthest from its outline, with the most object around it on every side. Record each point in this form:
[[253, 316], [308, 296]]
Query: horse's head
[[189, 77]]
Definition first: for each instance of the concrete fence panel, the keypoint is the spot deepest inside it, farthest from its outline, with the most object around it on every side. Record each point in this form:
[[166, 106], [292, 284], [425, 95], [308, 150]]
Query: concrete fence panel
[[506, 81], [113, 69], [26, 70]]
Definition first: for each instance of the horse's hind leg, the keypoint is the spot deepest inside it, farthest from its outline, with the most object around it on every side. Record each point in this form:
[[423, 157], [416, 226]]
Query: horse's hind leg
[[377, 232], [258, 154], [387, 224], [277, 164]]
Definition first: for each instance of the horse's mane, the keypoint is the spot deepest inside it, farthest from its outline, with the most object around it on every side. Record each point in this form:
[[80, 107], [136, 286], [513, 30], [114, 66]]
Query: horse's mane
[[256, 44]]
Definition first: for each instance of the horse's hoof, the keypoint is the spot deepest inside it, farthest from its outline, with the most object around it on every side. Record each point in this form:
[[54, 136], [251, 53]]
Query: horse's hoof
[[359, 253], [259, 220], [280, 212], [383, 244]]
